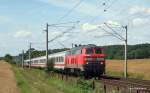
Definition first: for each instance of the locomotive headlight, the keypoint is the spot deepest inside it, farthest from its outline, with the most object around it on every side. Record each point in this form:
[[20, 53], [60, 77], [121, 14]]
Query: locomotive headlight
[[101, 63]]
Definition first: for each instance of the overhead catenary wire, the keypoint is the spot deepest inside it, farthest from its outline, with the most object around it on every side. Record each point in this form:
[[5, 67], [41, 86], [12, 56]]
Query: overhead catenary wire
[[103, 3], [113, 2], [62, 44], [98, 7], [60, 35], [111, 33], [114, 31], [70, 11], [93, 19]]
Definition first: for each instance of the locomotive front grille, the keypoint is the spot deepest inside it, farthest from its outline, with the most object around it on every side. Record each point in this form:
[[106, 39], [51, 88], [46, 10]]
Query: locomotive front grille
[[94, 59], [94, 68]]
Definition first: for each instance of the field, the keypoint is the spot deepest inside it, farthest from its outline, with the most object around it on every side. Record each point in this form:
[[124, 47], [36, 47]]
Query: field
[[137, 68]]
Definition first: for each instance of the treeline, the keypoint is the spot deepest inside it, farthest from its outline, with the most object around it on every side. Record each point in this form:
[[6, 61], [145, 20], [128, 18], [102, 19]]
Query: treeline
[[37, 53], [138, 51]]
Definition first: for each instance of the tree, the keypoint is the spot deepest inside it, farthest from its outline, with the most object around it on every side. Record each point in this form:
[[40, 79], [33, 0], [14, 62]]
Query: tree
[[8, 58]]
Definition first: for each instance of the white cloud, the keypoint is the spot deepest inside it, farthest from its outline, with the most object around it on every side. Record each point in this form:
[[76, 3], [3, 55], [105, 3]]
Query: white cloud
[[88, 27], [22, 34], [4, 19], [140, 22], [113, 23], [93, 30], [139, 9]]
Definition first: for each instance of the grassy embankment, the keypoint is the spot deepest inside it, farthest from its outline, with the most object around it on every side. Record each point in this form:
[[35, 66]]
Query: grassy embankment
[[37, 81], [137, 68]]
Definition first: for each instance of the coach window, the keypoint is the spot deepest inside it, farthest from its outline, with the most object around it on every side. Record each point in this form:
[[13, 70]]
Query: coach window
[[54, 59], [89, 51], [42, 61], [78, 52], [62, 59], [59, 59]]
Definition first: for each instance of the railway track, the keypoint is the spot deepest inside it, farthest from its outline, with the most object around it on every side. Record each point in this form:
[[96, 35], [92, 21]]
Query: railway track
[[124, 85]]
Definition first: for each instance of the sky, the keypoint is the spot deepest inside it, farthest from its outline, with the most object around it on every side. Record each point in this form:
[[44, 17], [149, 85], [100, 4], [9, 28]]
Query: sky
[[24, 21]]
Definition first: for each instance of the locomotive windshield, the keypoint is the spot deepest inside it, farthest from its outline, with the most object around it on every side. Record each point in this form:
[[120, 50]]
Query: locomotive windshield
[[89, 51], [93, 51], [98, 51]]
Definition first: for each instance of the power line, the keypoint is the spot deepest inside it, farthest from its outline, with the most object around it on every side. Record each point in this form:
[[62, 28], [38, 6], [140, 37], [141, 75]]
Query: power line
[[103, 3], [62, 44], [95, 9], [114, 31], [60, 35], [93, 19], [76, 5], [111, 33], [113, 2]]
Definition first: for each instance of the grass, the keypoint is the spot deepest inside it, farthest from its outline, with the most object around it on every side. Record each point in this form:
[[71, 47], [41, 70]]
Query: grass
[[137, 68], [32, 81], [37, 81]]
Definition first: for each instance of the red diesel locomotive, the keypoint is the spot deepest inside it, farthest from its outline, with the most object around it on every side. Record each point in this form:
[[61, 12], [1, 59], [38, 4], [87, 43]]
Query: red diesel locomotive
[[87, 58]]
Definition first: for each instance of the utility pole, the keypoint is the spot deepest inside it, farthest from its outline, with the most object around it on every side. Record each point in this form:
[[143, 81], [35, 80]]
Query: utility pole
[[125, 39], [54, 25], [72, 45], [30, 56], [22, 58], [47, 44], [126, 63]]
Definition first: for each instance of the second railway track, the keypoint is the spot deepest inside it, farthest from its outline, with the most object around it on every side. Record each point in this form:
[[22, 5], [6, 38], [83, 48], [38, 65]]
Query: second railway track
[[118, 84], [125, 85]]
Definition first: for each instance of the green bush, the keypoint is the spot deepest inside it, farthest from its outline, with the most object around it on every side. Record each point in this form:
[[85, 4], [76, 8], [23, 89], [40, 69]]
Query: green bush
[[8, 58]]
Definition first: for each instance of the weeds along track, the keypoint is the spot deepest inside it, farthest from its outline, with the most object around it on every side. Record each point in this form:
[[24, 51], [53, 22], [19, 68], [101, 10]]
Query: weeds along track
[[125, 85], [113, 83], [108, 83]]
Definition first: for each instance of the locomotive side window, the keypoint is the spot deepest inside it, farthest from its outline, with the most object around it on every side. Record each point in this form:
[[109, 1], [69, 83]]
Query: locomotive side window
[[89, 51], [98, 51], [78, 51]]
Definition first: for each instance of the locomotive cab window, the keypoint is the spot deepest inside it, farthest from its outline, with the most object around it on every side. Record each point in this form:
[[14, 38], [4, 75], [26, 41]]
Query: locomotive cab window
[[89, 51], [98, 51]]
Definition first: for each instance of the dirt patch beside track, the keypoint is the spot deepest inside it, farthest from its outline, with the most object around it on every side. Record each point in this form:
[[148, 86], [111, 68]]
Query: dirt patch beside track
[[7, 79]]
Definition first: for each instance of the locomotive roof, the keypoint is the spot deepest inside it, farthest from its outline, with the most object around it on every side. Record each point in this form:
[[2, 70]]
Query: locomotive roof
[[75, 49], [84, 46]]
